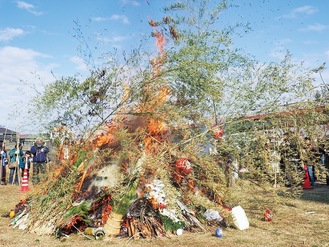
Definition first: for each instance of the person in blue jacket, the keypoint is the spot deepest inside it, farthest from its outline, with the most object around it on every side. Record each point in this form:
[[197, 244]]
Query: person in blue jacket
[[3, 163], [39, 152]]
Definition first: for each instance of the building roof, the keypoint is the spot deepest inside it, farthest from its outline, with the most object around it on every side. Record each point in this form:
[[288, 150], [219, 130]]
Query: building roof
[[7, 134], [4, 131]]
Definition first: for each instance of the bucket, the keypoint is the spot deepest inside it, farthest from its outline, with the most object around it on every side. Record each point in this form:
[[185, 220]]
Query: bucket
[[113, 224], [240, 219]]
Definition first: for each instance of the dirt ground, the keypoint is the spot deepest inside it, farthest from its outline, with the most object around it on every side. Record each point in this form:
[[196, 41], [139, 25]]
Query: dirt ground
[[296, 222]]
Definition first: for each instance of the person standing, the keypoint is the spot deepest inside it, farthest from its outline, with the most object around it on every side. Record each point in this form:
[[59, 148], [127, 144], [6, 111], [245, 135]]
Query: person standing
[[310, 158], [26, 164], [39, 152], [15, 157], [3, 163]]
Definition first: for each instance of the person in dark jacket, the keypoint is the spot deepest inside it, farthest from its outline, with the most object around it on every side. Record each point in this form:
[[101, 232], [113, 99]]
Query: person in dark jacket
[[39, 152], [26, 163]]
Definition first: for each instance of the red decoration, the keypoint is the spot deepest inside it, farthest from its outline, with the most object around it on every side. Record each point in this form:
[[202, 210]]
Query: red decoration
[[307, 180], [268, 216], [183, 166], [217, 131]]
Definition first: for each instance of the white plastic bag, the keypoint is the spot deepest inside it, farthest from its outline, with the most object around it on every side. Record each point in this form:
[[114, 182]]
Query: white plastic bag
[[240, 219]]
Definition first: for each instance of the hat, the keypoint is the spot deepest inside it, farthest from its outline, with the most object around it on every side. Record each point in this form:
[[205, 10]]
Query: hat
[[39, 142]]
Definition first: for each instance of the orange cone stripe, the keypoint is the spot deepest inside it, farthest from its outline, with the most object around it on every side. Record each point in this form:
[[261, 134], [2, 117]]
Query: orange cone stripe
[[25, 182]]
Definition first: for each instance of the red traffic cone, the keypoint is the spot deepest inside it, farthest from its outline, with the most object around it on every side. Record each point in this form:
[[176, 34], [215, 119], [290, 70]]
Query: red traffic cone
[[307, 181], [25, 181]]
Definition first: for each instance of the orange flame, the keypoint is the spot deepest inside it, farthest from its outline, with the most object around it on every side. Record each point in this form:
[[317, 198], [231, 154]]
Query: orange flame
[[155, 126], [159, 97], [160, 41], [107, 138]]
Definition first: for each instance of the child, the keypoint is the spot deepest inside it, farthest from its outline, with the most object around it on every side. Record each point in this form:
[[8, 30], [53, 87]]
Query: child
[[26, 163]]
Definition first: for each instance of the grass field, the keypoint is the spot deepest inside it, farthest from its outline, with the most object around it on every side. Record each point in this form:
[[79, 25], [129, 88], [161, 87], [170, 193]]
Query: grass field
[[296, 222]]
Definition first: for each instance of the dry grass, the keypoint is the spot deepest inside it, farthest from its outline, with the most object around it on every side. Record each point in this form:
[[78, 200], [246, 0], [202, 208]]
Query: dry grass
[[296, 222]]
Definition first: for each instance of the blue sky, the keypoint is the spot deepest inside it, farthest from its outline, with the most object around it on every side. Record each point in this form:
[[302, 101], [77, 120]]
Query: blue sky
[[37, 40]]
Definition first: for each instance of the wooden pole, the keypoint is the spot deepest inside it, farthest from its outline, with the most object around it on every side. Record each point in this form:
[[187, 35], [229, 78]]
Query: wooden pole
[[2, 161], [16, 172], [18, 150]]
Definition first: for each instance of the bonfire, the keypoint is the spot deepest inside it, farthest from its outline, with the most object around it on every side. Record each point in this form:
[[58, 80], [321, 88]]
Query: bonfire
[[133, 178]]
